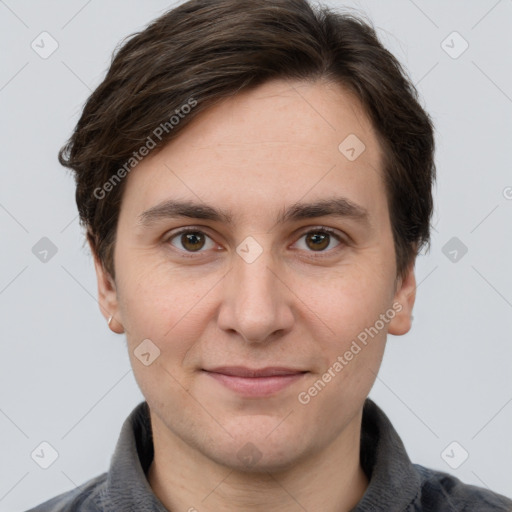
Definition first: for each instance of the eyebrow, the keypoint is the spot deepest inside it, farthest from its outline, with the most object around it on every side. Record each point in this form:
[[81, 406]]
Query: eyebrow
[[174, 209]]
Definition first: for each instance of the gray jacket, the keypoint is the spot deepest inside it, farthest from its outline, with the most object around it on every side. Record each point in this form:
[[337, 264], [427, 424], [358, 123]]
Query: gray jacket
[[395, 484]]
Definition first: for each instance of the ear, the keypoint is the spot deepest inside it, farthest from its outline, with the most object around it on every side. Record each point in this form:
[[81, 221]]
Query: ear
[[404, 298], [107, 296]]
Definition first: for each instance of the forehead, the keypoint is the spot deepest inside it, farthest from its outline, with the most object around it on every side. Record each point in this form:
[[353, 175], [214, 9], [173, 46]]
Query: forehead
[[271, 145]]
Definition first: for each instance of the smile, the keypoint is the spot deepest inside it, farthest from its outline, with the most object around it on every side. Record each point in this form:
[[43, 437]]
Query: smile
[[255, 382]]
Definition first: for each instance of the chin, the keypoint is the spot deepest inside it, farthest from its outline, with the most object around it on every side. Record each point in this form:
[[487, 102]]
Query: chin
[[253, 459], [252, 452]]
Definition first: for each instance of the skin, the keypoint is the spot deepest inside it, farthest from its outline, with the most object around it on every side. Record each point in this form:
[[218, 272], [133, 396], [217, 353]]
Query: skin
[[295, 306]]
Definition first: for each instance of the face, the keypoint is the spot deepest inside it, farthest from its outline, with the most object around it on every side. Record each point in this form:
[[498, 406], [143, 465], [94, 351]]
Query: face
[[254, 241]]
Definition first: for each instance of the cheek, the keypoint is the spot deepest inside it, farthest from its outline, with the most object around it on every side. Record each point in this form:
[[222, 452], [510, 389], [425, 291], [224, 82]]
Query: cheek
[[173, 310], [351, 332], [337, 394], [347, 300], [155, 299], [351, 358]]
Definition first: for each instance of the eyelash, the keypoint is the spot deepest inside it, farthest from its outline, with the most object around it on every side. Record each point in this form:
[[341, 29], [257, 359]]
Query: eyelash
[[317, 254]]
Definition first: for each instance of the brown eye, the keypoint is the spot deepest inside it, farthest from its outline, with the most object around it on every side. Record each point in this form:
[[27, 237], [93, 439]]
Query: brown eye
[[191, 241], [318, 241]]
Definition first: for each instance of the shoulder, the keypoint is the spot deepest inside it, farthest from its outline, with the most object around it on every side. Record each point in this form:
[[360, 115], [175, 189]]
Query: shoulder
[[441, 491], [86, 498]]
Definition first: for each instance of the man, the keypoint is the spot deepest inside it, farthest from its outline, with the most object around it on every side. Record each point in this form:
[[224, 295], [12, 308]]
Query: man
[[255, 180]]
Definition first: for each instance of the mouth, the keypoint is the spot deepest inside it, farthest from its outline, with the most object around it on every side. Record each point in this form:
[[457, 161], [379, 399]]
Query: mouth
[[255, 382]]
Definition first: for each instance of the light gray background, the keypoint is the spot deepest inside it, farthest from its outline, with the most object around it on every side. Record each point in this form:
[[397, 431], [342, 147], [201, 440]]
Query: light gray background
[[66, 379]]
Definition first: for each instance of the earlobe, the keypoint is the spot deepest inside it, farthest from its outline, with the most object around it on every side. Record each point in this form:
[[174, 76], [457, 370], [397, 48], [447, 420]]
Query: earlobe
[[403, 304], [107, 297]]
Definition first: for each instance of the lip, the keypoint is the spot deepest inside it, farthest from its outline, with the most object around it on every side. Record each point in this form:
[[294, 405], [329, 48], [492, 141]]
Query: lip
[[255, 382], [243, 371]]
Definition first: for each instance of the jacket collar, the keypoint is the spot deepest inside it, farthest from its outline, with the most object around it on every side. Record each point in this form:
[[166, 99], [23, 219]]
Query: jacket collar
[[393, 481]]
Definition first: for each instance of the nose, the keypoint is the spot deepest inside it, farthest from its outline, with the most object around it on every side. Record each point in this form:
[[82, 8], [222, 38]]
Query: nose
[[256, 302]]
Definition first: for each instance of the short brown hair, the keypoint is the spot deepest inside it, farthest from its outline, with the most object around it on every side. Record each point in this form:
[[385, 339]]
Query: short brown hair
[[204, 51]]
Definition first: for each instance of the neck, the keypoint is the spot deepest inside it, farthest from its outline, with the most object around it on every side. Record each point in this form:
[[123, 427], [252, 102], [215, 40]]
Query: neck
[[330, 480]]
